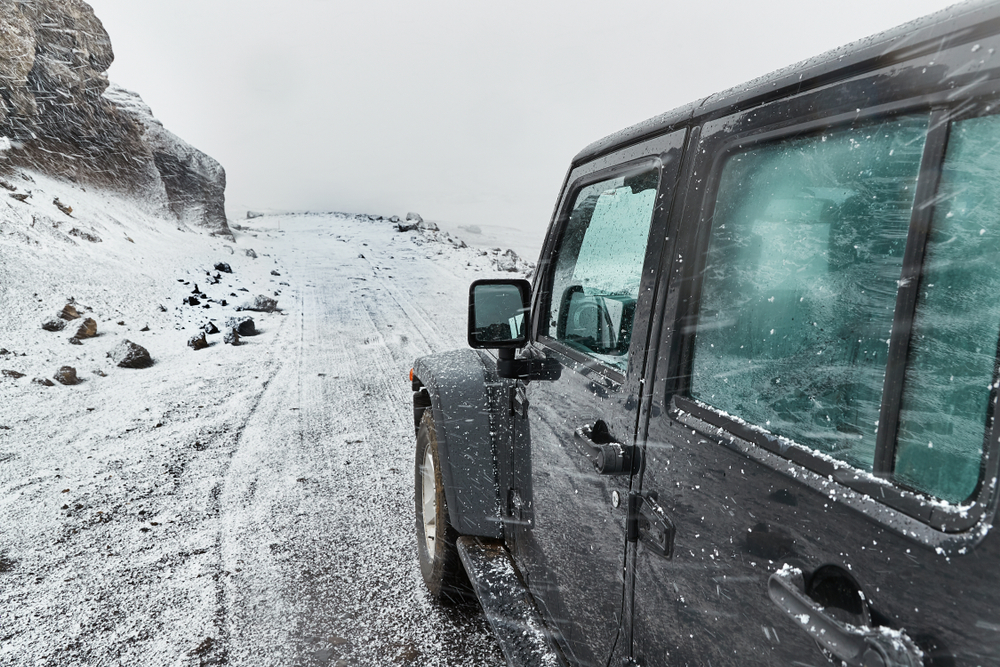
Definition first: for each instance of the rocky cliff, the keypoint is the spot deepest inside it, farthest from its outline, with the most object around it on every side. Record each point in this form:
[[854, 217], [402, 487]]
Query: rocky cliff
[[59, 115]]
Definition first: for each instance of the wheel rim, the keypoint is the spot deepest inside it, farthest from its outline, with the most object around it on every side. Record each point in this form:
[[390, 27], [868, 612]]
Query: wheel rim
[[429, 501]]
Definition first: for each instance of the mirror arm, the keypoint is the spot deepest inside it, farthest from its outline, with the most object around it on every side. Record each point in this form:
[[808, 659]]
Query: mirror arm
[[526, 369]]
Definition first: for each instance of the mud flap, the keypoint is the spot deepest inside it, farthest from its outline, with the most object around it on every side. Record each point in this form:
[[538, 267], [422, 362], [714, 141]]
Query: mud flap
[[519, 629]]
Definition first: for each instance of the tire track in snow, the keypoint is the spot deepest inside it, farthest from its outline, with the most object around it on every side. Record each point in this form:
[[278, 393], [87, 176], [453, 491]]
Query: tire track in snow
[[317, 505]]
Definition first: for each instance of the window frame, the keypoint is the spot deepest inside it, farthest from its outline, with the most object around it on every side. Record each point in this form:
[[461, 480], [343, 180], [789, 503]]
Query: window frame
[[879, 486]]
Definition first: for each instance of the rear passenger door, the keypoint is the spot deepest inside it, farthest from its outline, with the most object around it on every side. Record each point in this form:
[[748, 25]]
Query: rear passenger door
[[591, 313], [821, 439]]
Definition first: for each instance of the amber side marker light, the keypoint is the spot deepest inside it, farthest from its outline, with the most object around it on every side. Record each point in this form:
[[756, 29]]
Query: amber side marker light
[[411, 375]]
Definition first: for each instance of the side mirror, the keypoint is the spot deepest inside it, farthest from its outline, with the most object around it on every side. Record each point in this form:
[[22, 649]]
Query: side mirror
[[499, 313]]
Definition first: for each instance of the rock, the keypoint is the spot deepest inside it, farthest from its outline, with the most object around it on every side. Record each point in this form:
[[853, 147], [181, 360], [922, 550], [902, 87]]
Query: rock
[[231, 337], [12, 374], [210, 328], [45, 382], [198, 342], [508, 261], [100, 373], [20, 196], [262, 304], [66, 375], [427, 226], [394, 218], [223, 267], [406, 226], [69, 312], [86, 236], [243, 324], [129, 355], [121, 323], [193, 182], [75, 341], [87, 330], [68, 210], [414, 216], [163, 308], [254, 214], [274, 273], [196, 290], [145, 328], [192, 301], [250, 253], [54, 324], [60, 117]]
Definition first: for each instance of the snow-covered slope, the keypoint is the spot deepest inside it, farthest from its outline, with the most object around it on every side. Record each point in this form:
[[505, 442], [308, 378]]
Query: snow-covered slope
[[248, 504]]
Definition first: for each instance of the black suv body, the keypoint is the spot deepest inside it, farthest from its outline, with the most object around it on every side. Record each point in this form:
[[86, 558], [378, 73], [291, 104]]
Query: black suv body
[[751, 418]]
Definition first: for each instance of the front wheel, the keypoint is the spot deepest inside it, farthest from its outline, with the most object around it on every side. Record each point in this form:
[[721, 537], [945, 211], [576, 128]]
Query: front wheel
[[440, 565]]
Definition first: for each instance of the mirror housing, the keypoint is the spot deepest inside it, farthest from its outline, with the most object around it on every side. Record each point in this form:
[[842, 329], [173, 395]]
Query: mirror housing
[[499, 314]]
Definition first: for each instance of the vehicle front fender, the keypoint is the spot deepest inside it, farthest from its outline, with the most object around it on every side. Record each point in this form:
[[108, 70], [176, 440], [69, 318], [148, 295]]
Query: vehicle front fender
[[460, 387]]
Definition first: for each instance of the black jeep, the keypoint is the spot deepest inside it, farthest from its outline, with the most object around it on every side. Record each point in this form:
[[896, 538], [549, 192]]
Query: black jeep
[[745, 416]]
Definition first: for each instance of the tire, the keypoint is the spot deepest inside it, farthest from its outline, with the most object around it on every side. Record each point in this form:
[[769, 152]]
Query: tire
[[440, 565]]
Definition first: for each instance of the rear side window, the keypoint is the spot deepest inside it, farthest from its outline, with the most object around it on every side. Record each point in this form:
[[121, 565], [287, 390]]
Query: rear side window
[[953, 351], [801, 292], [799, 288]]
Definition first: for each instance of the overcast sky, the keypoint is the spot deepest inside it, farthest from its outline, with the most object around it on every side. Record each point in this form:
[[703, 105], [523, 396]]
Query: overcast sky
[[467, 112]]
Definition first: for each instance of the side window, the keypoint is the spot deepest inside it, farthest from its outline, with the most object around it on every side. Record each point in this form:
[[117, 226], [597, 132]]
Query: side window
[[598, 265], [799, 298]]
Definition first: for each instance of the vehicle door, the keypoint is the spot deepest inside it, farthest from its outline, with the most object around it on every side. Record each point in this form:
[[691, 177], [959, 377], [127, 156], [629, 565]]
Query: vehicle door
[[821, 443], [569, 539]]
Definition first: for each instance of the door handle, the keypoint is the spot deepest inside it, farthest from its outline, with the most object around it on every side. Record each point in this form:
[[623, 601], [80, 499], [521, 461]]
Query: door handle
[[608, 456], [856, 646]]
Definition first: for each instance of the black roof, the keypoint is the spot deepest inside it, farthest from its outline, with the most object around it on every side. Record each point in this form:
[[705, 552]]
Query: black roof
[[949, 27]]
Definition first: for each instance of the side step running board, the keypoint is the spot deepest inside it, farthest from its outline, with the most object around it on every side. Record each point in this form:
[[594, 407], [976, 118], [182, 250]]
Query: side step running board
[[516, 623]]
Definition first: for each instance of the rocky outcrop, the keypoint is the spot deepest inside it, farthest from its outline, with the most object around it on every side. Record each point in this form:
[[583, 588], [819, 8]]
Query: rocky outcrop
[[195, 184], [60, 115]]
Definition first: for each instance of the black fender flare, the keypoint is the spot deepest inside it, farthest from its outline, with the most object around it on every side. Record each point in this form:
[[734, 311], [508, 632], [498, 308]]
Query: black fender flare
[[458, 386]]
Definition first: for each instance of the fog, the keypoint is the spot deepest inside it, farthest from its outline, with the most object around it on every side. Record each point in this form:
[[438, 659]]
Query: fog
[[468, 113]]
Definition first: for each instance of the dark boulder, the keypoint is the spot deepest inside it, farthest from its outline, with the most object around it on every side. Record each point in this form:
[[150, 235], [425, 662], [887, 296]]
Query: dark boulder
[[243, 325], [231, 337], [223, 267], [262, 304], [54, 324], [12, 374], [198, 342], [130, 355], [69, 312], [210, 328], [66, 375], [87, 330]]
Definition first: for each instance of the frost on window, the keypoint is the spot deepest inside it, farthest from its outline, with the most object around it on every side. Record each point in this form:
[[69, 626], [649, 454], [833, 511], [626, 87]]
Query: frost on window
[[953, 348], [598, 267], [799, 285]]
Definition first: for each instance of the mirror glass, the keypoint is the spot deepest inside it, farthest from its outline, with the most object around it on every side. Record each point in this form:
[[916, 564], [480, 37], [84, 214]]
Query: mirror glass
[[499, 314]]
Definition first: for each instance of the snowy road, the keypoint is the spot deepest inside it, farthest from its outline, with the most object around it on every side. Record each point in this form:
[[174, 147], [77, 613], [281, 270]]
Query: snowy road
[[317, 507], [245, 505]]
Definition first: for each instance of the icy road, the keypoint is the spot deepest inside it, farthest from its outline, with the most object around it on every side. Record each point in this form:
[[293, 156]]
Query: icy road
[[245, 505]]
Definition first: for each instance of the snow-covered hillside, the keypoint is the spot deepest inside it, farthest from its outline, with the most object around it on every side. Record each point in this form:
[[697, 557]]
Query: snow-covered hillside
[[245, 504]]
